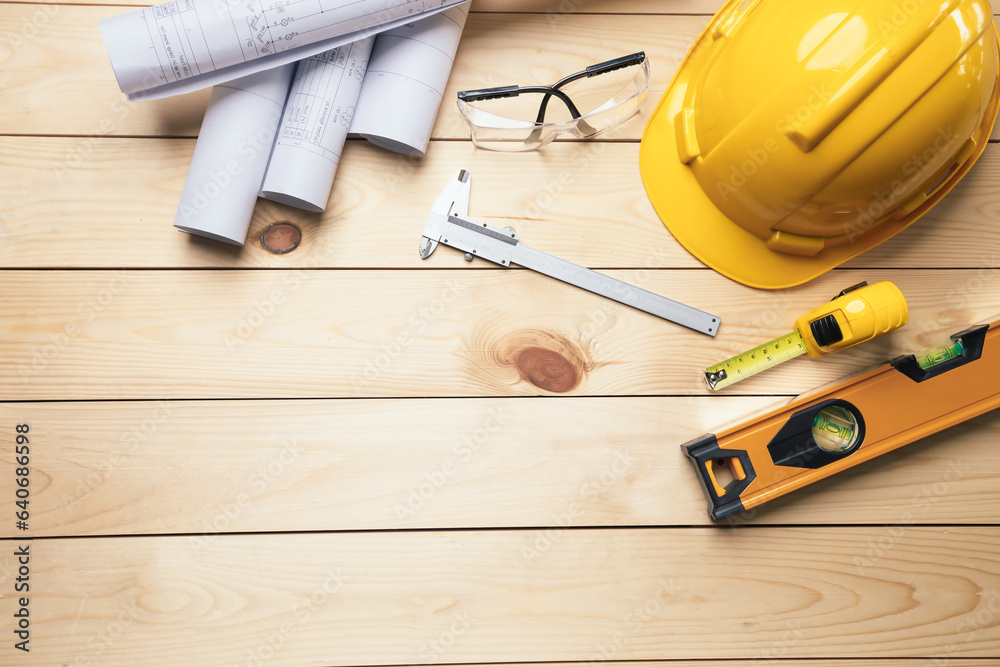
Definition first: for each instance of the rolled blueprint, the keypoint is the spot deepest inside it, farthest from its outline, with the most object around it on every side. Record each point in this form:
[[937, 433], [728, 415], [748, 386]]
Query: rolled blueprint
[[229, 160], [407, 74], [314, 126], [180, 46]]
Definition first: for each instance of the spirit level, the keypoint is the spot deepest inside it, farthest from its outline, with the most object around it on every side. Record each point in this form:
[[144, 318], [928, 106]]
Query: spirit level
[[857, 314], [853, 421]]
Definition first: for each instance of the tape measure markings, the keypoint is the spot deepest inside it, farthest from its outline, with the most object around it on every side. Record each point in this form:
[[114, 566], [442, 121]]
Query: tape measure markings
[[754, 361]]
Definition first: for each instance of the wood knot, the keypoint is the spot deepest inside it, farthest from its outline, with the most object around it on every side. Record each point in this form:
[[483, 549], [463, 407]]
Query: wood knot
[[545, 360], [280, 238], [547, 369]]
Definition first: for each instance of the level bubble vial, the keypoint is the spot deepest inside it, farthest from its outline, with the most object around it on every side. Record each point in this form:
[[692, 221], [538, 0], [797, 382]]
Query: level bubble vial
[[835, 429]]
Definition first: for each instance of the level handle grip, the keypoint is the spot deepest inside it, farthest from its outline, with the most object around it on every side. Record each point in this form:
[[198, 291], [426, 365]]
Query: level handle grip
[[705, 453]]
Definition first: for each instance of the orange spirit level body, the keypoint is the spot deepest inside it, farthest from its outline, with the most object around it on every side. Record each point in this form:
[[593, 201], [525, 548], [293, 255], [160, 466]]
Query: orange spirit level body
[[850, 422]]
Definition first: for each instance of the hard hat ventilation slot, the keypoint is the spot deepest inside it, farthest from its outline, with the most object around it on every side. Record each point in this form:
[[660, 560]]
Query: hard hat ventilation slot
[[728, 26], [944, 177], [941, 180]]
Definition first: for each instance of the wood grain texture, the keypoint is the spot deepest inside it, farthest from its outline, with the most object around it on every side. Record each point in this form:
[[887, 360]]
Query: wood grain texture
[[221, 467], [323, 334], [516, 596], [567, 200], [582, 202]]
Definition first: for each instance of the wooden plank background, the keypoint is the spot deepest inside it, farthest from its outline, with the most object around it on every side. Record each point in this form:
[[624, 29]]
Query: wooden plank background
[[377, 599], [346, 455]]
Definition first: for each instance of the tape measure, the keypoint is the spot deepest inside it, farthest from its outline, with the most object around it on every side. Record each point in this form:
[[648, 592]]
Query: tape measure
[[857, 314], [850, 422]]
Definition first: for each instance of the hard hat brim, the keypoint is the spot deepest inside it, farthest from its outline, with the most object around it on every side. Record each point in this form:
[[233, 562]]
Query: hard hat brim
[[708, 234]]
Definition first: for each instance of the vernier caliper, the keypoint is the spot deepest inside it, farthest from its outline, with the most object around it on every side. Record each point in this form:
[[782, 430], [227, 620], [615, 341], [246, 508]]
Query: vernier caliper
[[449, 224]]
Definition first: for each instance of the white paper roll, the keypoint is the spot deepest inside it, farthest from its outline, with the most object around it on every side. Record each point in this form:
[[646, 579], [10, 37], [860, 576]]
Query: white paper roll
[[231, 155], [184, 45], [409, 70], [314, 127]]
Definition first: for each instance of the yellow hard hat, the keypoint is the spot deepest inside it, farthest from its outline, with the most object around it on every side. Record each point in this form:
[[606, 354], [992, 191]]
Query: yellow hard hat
[[795, 136]]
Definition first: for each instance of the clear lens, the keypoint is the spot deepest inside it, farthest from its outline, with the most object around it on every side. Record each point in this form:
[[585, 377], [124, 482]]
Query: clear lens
[[617, 109], [499, 133], [508, 124]]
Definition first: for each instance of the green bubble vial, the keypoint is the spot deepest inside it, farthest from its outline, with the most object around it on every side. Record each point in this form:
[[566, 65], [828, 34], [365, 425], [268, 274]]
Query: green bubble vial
[[940, 354]]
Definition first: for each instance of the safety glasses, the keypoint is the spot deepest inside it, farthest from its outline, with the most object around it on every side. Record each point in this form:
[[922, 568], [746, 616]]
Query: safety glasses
[[499, 122]]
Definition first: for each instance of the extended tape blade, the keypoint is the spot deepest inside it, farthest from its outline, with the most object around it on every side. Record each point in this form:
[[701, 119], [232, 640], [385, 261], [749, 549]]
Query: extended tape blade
[[754, 361]]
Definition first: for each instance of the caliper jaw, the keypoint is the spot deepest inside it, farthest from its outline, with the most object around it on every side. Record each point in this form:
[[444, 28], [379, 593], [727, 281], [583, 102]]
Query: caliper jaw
[[454, 200]]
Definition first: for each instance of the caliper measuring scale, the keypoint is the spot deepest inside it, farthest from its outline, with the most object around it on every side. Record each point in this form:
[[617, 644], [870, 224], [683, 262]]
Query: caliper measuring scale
[[448, 224]]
